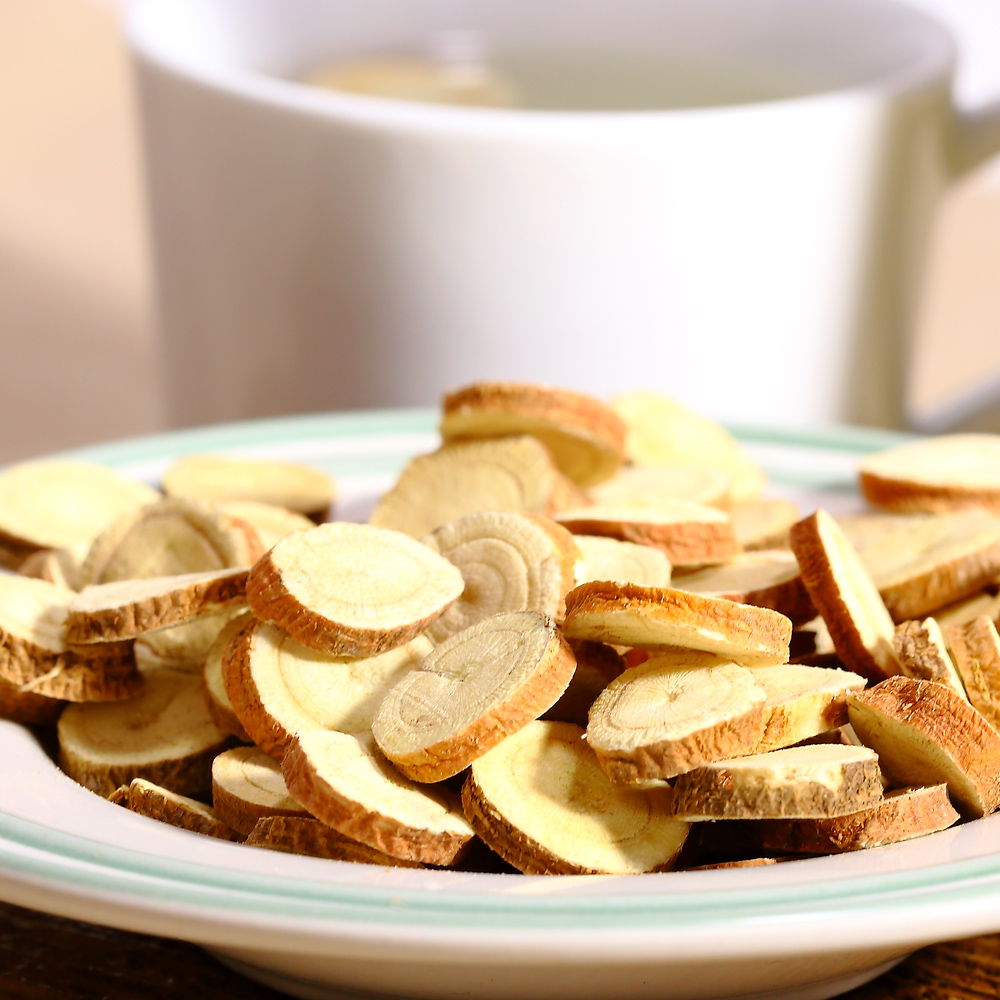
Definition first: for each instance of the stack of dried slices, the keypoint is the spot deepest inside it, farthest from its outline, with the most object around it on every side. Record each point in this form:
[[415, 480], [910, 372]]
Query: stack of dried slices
[[563, 644]]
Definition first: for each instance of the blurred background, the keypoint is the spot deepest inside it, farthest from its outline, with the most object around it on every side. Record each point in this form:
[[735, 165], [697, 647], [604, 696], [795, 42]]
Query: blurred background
[[79, 355]]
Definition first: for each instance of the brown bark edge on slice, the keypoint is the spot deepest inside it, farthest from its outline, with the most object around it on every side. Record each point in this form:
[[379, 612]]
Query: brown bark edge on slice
[[924, 734], [158, 803], [27, 708], [345, 782], [475, 689], [814, 781], [657, 618], [247, 785], [89, 681], [845, 596], [923, 654], [976, 648], [308, 584], [524, 800], [673, 713], [903, 814], [220, 707], [297, 835]]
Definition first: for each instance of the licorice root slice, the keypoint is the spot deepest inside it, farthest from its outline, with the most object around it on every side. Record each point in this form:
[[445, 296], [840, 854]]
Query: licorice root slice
[[652, 484], [763, 523], [844, 594], [903, 814], [352, 589], [27, 708], [220, 708], [658, 618], [808, 782], [586, 438], [185, 646], [271, 523], [58, 566], [923, 654], [347, 783], [278, 687], [541, 801], [129, 608], [626, 562], [674, 713], [471, 692], [509, 562], [164, 735], [248, 785], [925, 734], [976, 649], [148, 799]]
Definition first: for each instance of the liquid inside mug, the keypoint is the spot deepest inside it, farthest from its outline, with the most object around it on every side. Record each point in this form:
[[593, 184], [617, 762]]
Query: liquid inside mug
[[747, 233]]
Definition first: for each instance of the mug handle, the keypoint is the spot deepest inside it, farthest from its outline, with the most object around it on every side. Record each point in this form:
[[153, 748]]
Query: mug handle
[[977, 136]]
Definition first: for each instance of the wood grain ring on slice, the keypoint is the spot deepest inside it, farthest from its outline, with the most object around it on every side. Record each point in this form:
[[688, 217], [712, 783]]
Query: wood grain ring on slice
[[586, 438], [925, 734], [923, 653], [903, 814], [612, 559], [819, 780], [515, 473], [295, 487], [300, 835], [509, 562], [352, 589], [27, 708], [59, 504], [164, 735], [129, 608], [346, 782], [652, 484], [768, 578], [657, 618], [475, 689], [802, 701], [844, 594], [976, 649], [690, 534], [935, 474], [278, 687], [220, 708], [763, 523], [673, 713], [248, 785], [541, 801], [149, 799]]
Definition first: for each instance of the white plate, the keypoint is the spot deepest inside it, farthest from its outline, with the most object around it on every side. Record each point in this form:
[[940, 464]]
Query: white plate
[[806, 929]]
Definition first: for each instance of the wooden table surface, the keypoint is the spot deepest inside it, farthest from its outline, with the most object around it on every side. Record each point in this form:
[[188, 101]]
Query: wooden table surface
[[48, 958]]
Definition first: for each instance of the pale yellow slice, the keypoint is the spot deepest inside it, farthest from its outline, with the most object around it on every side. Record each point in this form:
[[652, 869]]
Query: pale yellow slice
[[247, 785], [653, 484], [626, 562]]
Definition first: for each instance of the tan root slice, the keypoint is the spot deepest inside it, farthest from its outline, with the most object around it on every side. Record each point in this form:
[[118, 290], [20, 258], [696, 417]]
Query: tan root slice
[[809, 782], [657, 618], [769, 578], [185, 646], [689, 534], [170, 538], [277, 687], [802, 701], [164, 735], [844, 594], [611, 559], [904, 814], [89, 680], [965, 611], [925, 734], [298, 835], [923, 654], [509, 562], [660, 431], [935, 474], [27, 708], [926, 563], [294, 487], [515, 473], [763, 523], [130, 608], [352, 589], [653, 484], [475, 689], [58, 566], [542, 802], [151, 800], [673, 713], [248, 785], [62, 504], [585, 437], [597, 665], [347, 783], [220, 708], [976, 649], [271, 523]]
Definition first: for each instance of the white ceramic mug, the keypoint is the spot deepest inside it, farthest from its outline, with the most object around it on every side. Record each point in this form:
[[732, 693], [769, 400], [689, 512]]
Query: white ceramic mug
[[759, 260]]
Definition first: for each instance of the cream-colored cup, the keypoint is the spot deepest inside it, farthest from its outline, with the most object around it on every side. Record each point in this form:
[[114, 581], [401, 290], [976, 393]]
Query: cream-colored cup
[[755, 251]]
